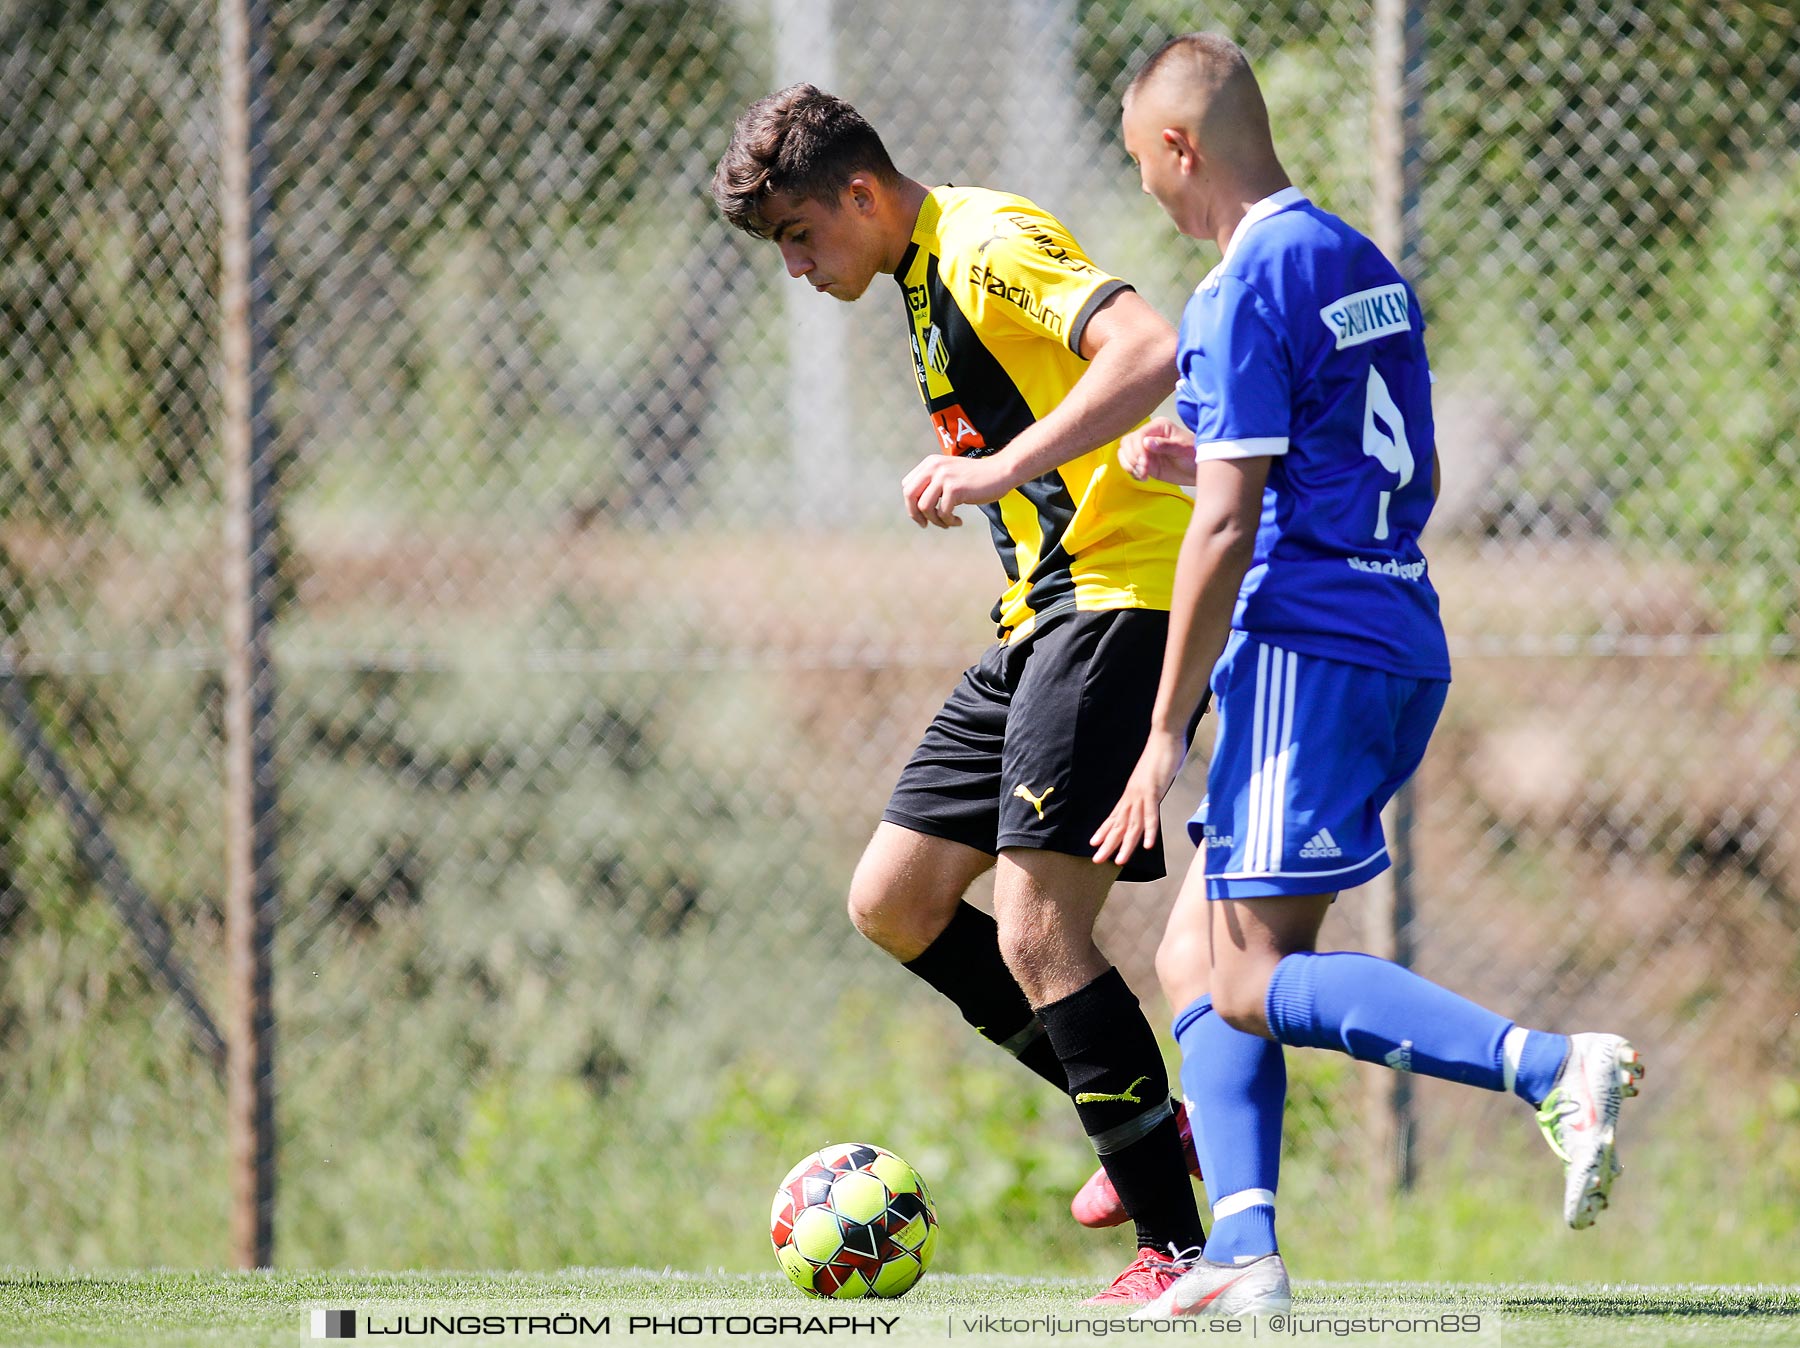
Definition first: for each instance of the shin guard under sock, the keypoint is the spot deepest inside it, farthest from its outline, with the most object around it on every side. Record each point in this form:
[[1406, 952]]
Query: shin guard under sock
[[1236, 1086], [964, 963], [1121, 1091]]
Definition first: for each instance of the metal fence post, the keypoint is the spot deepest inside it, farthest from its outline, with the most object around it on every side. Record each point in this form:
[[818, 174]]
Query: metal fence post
[[818, 332], [251, 895], [1398, 58]]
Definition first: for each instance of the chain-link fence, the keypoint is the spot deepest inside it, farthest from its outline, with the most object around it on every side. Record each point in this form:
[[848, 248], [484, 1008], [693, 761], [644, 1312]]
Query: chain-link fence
[[601, 636]]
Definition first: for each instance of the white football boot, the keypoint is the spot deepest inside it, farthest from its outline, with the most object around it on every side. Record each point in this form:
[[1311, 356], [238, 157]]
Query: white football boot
[[1259, 1287], [1580, 1119]]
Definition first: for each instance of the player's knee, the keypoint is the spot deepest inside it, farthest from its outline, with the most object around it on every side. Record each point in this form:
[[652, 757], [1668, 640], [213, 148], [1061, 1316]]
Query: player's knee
[[863, 909], [888, 912], [873, 907], [1024, 939], [1237, 995], [1181, 965]]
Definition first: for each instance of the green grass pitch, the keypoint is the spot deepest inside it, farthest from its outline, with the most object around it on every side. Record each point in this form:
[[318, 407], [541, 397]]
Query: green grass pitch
[[167, 1308]]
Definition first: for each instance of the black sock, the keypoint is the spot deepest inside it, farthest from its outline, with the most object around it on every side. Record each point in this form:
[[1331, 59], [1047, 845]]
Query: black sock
[[964, 964], [1110, 1054]]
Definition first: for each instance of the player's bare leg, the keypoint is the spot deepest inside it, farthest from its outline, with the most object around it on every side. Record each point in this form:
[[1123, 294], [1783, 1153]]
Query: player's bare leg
[[1046, 904], [1248, 938], [907, 887], [1239, 1082], [1184, 955], [1183, 961], [1267, 981], [907, 897]]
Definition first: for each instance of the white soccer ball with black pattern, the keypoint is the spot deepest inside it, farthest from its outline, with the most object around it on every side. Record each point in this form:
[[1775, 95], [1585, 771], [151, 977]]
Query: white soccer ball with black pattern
[[853, 1220]]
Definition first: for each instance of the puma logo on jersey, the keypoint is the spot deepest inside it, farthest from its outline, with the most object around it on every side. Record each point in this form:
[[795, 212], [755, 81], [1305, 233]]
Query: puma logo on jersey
[[1037, 802], [1321, 844], [1128, 1096]]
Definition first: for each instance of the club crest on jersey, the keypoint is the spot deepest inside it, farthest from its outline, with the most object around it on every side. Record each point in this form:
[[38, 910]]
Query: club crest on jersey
[[1367, 314], [930, 347], [937, 350]]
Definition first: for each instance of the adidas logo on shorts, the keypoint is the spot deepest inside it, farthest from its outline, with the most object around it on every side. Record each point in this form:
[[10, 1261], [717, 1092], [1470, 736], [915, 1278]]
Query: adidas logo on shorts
[[1321, 844]]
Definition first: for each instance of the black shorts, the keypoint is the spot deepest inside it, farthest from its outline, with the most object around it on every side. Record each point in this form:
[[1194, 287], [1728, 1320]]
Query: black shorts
[[1036, 742]]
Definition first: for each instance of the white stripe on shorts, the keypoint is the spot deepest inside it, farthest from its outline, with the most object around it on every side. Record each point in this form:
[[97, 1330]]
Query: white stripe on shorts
[[1265, 764], [1259, 714], [1272, 726], [1288, 746], [1260, 755]]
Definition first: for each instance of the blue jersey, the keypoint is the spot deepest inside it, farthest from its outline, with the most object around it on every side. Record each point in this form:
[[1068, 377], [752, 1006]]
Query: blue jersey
[[1305, 344]]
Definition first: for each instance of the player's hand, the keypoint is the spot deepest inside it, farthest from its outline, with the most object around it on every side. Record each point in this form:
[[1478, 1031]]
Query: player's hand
[[1136, 819], [1161, 449], [943, 482]]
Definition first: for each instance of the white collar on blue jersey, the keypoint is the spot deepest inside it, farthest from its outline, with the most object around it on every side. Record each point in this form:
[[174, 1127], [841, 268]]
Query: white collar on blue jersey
[[1262, 210]]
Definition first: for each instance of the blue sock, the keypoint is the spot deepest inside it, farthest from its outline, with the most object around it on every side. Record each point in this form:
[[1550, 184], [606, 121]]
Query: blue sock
[[1379, 1012], [1533, 1058], [1236, 1087]]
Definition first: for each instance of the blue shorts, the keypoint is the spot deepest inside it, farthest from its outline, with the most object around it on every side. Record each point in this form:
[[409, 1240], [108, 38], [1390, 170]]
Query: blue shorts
[[1309, 750]]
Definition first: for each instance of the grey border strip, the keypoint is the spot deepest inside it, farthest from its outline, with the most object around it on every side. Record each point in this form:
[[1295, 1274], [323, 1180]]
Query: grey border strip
[[1132, 1130], [1102, 293]]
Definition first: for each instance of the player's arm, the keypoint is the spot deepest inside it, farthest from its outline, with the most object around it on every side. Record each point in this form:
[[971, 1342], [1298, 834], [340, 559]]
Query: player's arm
[[1130, 350], [1236, 379], [1215, 553]]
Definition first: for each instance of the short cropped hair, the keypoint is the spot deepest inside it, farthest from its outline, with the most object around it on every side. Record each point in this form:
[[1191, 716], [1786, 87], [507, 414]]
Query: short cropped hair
[[799, 141], [1218, 55]]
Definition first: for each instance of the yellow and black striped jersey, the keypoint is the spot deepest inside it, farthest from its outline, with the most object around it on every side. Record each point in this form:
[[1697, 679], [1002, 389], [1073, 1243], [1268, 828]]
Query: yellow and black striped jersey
[[998, 294]]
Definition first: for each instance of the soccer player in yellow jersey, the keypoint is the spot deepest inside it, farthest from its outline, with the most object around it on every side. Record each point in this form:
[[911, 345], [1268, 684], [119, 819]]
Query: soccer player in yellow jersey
[[1032, 362]]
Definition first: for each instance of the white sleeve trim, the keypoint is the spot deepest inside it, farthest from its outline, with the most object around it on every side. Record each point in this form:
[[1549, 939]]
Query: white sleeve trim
[[1261, 447]]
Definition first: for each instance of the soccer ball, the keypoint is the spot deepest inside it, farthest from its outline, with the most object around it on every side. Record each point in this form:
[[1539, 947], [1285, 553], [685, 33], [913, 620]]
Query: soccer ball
[[853, 1220]]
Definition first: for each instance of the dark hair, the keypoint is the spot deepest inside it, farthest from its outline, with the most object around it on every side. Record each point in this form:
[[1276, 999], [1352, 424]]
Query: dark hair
[[799, 141]]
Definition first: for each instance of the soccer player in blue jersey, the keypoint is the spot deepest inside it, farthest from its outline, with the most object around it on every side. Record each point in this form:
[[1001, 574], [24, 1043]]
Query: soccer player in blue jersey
[[1302, 592]]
